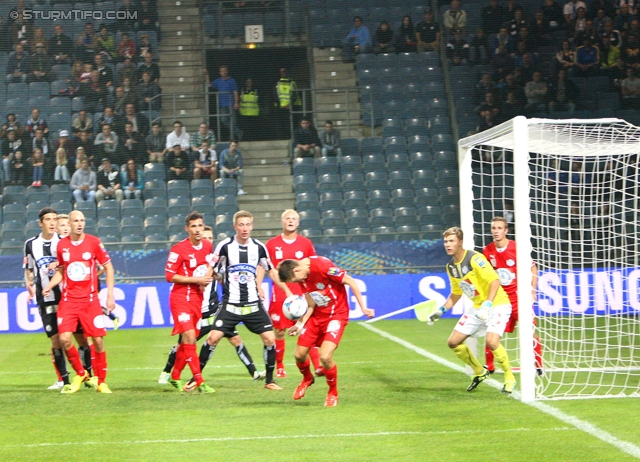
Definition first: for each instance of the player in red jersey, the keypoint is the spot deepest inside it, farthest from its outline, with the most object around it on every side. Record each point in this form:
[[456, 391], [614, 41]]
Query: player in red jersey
[[324, 323], [189, 271], [288, 246], [501, 253], [79, 255]]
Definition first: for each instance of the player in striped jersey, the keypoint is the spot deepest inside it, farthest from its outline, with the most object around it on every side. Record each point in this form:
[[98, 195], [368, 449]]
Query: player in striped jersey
[[236, 261], [210, 306]]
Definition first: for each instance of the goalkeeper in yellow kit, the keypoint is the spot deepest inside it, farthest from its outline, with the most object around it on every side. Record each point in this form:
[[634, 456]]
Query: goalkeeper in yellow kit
[[471, 274]]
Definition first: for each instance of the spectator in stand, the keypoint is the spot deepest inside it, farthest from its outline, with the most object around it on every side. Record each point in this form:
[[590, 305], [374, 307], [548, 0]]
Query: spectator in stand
[[82, 122], [588, 31], [95, 94], [60, 46], [611, 35], [144, 47], [630, 89], [148, 94], [599, 20], [80, 156], [519, 57], [83, 183], [540, 30], [38, 37], [106, 44], [17, 169], [458, 49], [122, 99], [580, 23], [85, 141], [127, 70], [566, 57], [178, 136], [18, 65], [605, 5], [86, 44], [206, 162], [511, 107], [37, 163], [622, 21], [587, 59], [489, 104], [630, 52], [516, 24], [570, 12], [553, 14], [10, 145], [358, 40], [111, 118], [633, 10], [231, 166], [503, 38], [64, 142], [126, 47], [151, 67], [106, 74], [133, 144], [133, 180], [510, 10], [40, 142], [609, 55], [178, 164], [147, 17], [203, 134], [138, 120], [11, 124], [406, 37], [492, 17], [427, 33], [454, 18], [536, 91], [75, 81], [106, 144], [108, 182], [156, 144], [305, 140], [563, 93], [526, 71], [61, 174], [501, 63], [330, 140], [20, 30], [479, 48], [383, 39], [40, 65], [510, 86], [487, 121], [530, 42], [128, 13]]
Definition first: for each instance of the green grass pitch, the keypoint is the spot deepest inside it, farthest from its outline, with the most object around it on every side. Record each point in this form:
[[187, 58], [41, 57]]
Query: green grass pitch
[[395, 405]]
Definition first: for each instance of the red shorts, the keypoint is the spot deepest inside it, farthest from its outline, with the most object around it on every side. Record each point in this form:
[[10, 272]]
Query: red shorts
[[322, 329], [186, 314], [278, 319], [88, 314]]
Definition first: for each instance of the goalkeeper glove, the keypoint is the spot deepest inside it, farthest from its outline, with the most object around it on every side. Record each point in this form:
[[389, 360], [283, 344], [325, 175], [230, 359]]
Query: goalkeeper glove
[[484, 311], [435, 315]]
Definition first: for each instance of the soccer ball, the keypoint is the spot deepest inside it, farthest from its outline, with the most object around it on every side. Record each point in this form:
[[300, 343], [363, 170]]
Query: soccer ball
[[294, 307]]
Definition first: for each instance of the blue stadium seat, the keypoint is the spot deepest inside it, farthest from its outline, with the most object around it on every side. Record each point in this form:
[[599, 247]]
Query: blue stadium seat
[[381, 216], [178, 188], [329, 182], [399, 179], [87, 208], [397, 161], [307, 201], [178, 206], [202, 204], [350, 164], [310, 219], [304, 183], [376, 180], [155, 189], [155, 207], [354, 199], [60, 105], [402, 197], [37, 89], [304, 166], [326, 165], [350, 147], [372, 145], [421, 160], [407, 215], [226, 204], [333, 219], [378, 198], [330, 200], [201, 187], [108, 209], [373, 162]]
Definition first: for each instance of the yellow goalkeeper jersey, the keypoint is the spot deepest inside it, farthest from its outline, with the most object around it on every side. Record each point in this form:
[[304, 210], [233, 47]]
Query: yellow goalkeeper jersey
[[472, 276]]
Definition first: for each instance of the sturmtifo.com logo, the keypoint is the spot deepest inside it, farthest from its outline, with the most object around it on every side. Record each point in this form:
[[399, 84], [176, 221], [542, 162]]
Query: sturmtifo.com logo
[[84, 15]]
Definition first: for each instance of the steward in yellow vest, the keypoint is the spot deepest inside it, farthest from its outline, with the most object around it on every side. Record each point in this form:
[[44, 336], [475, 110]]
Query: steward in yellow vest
[[249, 100]]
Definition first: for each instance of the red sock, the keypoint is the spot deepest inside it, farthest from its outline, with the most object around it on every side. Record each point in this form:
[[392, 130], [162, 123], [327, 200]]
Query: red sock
[[74, 359], [100, 366], [305, 370], [315, 357], [181, 361], [488, 354], [191, 358], [332, 379], [53, 360], [280, 344], [537, 348]]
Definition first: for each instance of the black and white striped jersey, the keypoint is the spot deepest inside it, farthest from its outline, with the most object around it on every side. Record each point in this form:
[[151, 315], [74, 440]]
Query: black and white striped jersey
[[38, 255], [210, 301], [238, 263]]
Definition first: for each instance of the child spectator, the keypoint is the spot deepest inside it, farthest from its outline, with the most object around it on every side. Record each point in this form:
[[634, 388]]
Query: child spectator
[[37, 162]]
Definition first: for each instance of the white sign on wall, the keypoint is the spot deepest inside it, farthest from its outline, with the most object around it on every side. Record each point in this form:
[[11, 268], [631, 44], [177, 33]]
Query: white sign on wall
[[254, 34]]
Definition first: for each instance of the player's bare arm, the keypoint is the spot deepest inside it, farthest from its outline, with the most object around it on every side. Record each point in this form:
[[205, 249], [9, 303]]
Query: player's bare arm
[[297, 327], [349, 281], [54, 281], [29, 284], [200, 280], [111, 280], [259, 279]]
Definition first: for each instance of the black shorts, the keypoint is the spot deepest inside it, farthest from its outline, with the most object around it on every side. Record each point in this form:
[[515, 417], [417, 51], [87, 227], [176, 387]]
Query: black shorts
[[257, 322], [49, 319], [205, 328]]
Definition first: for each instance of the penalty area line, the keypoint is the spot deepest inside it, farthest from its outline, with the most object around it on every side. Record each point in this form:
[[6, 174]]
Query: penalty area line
[[280, 437], [587, 427]]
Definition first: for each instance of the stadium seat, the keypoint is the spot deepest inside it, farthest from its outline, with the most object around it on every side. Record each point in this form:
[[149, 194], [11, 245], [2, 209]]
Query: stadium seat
[[32, 228], [329, 182], [131, 242], [407, 215], [330, 200], [373, 162], [416, 126], [408, 232], [202, 187], [376, 180], [350, 164], [402, 197], [175, 225], [350, 147], [61, 206], [13, 212], [333, 219], [39, 89], [226, 204], [430, 214], [378, 198], [178, 188], [155, 171], [310, 219], [60, 105], [326, 165], [304, 183], [307, 201], [108, 208], [155, 207], [372, 145], [131, 208], [224, 186], [354, 199], [357, 218], [155, 189], [445, 160], [87, 208], [423, 179], [304, 166], [14, 195], [177, 206], [421, 160], [352, 181]]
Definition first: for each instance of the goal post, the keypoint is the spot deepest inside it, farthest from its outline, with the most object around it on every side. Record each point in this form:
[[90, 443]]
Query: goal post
[[570, 191]]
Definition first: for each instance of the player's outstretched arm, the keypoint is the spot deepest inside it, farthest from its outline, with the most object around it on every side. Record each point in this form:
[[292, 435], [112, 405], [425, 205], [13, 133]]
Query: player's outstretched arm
[[349, 281], [29, 284], [111, 282], [54, 281]]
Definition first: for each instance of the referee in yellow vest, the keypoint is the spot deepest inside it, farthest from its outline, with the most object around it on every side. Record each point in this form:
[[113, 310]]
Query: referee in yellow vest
[[285, 89], [249, 110]]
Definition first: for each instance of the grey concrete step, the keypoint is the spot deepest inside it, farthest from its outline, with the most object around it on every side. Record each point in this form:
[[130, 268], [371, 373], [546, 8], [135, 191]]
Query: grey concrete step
[[186, 25], [267, 170], [257, 195], [187, 58], [183, 11], [323, 67], [338, 97], [261, 189], [336, 82], [323, 106], [263, 222], [175, 39], [278, 184], [327, 52], [257, 202]]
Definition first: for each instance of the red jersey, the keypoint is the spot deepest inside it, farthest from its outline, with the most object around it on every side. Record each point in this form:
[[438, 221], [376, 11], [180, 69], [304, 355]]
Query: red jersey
[[324, 285], [79, 260], [280, 249], [504, 262], [188, 260]]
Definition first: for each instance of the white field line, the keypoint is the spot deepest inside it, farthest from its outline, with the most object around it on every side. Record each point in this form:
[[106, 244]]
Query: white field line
[[580, 424]]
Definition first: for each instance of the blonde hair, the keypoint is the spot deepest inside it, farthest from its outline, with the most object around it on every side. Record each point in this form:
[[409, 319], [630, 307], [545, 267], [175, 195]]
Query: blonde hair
[[61, 156], [287, 212], [454, 231], [241, 214]]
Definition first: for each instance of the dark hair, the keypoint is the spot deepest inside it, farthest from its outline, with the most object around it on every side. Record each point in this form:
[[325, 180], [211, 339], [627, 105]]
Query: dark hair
[[285, 270], [177, 122], [328, 122], [357, 18], [44, 211], [193, 216]]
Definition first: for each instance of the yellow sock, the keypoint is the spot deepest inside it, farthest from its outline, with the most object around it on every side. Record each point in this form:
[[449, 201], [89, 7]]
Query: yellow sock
[[502, 358], [464, 353]]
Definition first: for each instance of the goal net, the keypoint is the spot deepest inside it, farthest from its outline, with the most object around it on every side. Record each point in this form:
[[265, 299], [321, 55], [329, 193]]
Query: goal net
[[570, 191]]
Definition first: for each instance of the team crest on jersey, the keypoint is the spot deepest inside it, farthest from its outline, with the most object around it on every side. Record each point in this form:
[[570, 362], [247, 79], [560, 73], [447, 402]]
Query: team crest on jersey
[[320, 285], [242, 278], [333, 271], [299, 254], [253, 257], [510, 262], [77, 271], [86, 255], [173, 257], [465, 269], [200, 271]]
